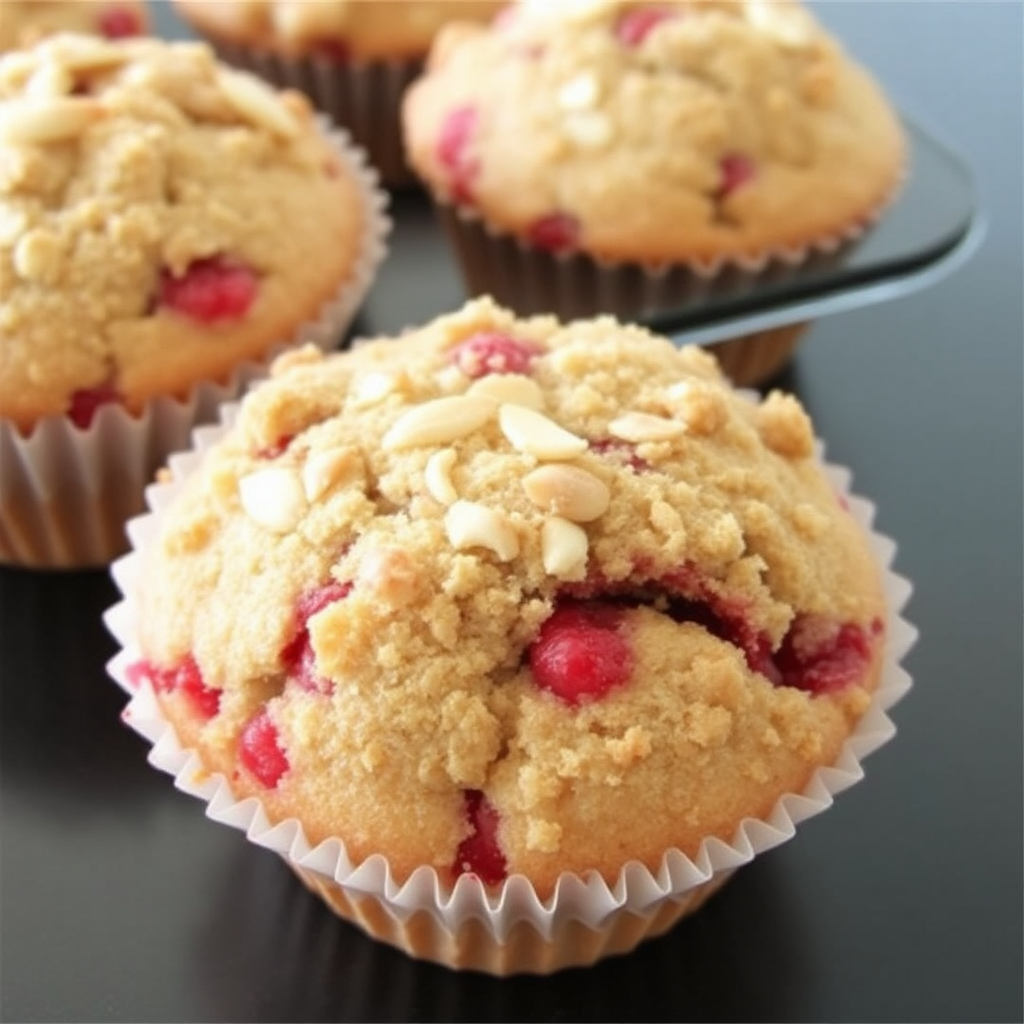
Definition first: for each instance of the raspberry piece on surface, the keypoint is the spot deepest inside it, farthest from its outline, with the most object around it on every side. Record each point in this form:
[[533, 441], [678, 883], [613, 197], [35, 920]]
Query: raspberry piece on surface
[[736, 170], [260, 751], [297, 655], [120, 23], [555, 232], [821, 656], [480, 853], [86, 402], [491, 352], [457, 131], [279, 447], [635, 25], [579, 653], [185, 677], [622, 451], [211, 289]]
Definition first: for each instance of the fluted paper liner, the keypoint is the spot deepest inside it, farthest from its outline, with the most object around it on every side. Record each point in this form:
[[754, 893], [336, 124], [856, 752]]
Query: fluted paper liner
[[508, 929], [67, 492], [365, 96], [531, 280]]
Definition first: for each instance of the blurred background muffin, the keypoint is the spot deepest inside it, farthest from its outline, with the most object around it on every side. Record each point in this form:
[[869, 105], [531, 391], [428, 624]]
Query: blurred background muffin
[[23, 22], [353, 58], [622, 157]]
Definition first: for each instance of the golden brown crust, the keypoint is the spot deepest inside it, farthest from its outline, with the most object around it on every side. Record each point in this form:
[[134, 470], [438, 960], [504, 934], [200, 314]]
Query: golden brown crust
[[165, 169], [431, 690], [630, 139], [367, 29]]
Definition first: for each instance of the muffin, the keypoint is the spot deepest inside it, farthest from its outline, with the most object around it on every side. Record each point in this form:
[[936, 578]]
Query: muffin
[[503, 613], [353, 58], [158, 214], [24, 22], [607, 156]]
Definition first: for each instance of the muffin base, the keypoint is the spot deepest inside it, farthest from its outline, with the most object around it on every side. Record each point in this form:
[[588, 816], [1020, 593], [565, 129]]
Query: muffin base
[[67, 492], [362, 96], [533, 281], [506, 929]]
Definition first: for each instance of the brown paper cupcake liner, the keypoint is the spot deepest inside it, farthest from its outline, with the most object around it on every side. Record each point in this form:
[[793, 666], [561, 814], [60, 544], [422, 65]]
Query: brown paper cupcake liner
[[67, 492], [506, 929], [362, 96], [532, 281]]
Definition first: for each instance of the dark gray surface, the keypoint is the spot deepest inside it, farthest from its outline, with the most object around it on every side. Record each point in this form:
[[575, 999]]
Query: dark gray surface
[[119, 901]]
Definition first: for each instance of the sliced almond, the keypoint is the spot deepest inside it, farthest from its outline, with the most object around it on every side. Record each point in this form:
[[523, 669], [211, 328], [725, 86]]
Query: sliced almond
[[273, 498], [438, 476], [579, 93], [563, 547], [49, 79], [567, 491], [532, 433], [373, 388], [93, 55], [637, 427], [514, 388], [439, 421], [47, 119], [325, 469], [257, 103], [786, 25], [471, 525]]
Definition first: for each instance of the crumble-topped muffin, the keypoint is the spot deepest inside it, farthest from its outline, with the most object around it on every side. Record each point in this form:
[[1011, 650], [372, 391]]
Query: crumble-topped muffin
[[352, 58], [677, 130], [24, 22], [511, 597], [340, 29], [162, 220]]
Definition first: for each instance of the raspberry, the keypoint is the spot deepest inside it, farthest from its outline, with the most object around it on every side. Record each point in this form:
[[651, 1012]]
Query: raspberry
[[297, 655], [579, 654], [186, 676], [211, 289], [86, 402], [555, 232], [457, 133], [736, 170], [821, 656], [490, 352], [260, 752], [279, 447], [635, 25], [120, 23], [480, 853], [621, 451]]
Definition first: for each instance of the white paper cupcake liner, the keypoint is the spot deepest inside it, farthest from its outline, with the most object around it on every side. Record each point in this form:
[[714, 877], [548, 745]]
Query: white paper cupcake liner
[[67, 492], [507, 930], [364, 96]]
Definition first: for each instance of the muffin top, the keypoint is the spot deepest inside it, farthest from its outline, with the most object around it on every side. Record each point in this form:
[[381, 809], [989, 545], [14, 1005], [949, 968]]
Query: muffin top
[[157, 217], [359, 29], [676, 131], [507, 596], [24, 22]]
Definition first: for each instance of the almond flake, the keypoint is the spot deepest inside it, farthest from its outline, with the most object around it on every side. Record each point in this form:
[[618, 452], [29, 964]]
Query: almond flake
[[93, 55], [637, 427], [567, 491], [786, 25], [325, 469], [579, 93], [47, 119], [438, 476], [374, 388], [514, 388], [470, 525], [50, 79], [257, 103], [439, 421], [563, 547], [534, 434], [273, 498]]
